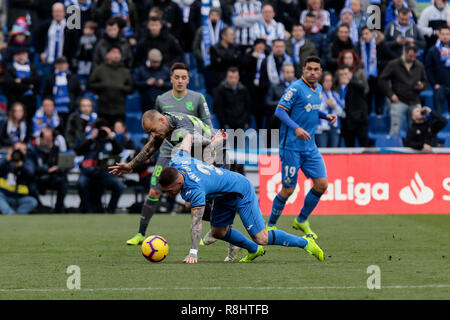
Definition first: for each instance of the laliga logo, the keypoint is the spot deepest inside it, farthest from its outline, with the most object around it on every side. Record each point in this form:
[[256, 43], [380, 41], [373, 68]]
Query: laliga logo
[[417, 192], [274, 187]]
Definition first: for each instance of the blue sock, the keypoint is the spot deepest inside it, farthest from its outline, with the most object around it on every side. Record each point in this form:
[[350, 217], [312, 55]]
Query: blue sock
[[236, 238], [281, 238], [311, 201], [277, 209]]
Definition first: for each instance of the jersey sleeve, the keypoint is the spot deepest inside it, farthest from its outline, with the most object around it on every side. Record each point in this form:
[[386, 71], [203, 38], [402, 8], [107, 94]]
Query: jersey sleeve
[[158, 104], [196, 197], [203, 111], [288, 99]]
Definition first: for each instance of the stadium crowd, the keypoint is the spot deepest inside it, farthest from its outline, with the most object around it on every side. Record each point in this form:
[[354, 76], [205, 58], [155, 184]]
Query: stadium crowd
[[64, 89]]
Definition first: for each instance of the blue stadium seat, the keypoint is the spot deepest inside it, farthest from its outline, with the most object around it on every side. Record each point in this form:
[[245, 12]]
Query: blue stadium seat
[[210, 102], [388, 141], [379, 124], [445, 132], [253, 124], [133, 102], [427, 97], [133, 122], [190, 60], [215, 121], [137, 138], [197, 81], [447, 142]]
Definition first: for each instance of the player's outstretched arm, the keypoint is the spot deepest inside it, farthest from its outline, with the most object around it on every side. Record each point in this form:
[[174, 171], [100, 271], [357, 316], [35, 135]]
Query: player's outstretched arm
[[196, 234]]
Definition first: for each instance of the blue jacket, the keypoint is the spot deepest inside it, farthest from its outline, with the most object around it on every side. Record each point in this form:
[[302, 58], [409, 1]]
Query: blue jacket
[[149, 93], [437, 72]]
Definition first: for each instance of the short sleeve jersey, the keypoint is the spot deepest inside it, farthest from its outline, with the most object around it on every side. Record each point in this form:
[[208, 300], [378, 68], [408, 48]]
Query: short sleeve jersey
[[302, 102]]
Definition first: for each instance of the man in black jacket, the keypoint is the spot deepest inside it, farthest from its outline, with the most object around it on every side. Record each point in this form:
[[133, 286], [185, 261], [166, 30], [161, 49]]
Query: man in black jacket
[[161, 40], [425, 125], [408, 78], [232, 102], [437, 65], [341, 43], [355, 124]]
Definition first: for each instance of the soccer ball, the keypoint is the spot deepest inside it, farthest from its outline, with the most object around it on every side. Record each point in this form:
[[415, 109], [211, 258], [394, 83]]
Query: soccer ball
[[155, 248]]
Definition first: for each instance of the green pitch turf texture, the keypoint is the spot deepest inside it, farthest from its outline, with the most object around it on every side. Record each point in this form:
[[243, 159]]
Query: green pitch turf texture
[[412, 251]]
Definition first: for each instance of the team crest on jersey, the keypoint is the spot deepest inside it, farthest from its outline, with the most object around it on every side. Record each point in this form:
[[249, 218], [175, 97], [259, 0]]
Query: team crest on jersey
[[288, 95], [308, 107], [287, 180], [189, 106]]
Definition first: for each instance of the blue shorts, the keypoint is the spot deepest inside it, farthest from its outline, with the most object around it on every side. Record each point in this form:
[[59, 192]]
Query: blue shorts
[[311, 163], [225, 208]]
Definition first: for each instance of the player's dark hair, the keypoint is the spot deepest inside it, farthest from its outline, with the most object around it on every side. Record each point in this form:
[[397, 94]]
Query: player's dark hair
[[315, 59], [404, 11], [444, 27], [168, 176], [178, 66]]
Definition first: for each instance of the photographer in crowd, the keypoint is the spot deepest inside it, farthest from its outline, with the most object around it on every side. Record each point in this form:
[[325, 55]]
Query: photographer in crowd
[[422, 134], [16, 179], [99, 147]]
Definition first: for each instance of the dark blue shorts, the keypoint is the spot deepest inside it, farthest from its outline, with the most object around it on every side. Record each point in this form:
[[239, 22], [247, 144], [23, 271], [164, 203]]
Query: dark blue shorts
[[225, 208], [311, 163]]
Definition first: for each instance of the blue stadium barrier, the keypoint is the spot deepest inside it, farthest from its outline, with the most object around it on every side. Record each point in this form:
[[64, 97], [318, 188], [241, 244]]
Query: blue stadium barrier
[[133, 102], [388, 141], [133, 121], [379, 124]]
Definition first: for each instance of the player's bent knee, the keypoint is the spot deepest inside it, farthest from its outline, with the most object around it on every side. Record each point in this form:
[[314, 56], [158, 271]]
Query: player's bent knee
[[287, 192], [321, 186], [261, 238], [218, 233]]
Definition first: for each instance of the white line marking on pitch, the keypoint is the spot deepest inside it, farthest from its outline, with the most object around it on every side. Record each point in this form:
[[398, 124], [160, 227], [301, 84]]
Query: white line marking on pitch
[[225, 288]]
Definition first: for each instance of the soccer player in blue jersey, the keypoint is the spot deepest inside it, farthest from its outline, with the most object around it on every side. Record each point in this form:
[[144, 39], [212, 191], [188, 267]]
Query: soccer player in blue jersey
[[299, 113], [232, 192]]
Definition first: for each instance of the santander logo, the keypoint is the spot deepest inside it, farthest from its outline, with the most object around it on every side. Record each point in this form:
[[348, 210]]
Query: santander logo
[[417, 192]]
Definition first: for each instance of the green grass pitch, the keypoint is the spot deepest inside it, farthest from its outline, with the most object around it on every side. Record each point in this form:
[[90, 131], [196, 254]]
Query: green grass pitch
[[412, 251]]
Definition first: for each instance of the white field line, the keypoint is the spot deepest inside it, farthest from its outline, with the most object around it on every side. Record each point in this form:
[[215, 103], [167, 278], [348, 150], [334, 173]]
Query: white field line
[[426, 286]]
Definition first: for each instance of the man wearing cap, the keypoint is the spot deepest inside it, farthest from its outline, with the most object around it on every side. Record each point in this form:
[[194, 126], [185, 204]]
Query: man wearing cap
[[22, 81], [64, 87], [112, 82], [151, 79]]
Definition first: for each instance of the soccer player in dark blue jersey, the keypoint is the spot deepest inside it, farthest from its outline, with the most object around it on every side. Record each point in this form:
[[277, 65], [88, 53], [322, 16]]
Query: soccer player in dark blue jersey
[[299, 113], [232, 192]]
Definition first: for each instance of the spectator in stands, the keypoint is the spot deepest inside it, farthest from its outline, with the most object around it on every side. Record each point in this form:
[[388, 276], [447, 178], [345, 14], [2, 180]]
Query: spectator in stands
[[322, 22], [48, 175], [359, 18], [271, 66], [85, 53], [80, 123], [250, 74], [351, 59], [191, 21], [112, 38], [15, 127], [232, 103], [64, 87], [54, 39], [432, 18], [422, 133], [24, 8], [224, 54], [274, 94], [173, 17], [346, 16], [319, 39], [401, 32], [341, 43], [437, 65], [161, 40], [152, 79], [355, 125], [47, 116], [99, 146], [393, 9], [126, 10], [245, 14], [87, 9], [268, 29], [287, 12], [112, 82], [16, 179], [22, 81], [19, 37], [203, 41], [122, 136], [298, 47], [408, 78], [327, 135], [374, 57]]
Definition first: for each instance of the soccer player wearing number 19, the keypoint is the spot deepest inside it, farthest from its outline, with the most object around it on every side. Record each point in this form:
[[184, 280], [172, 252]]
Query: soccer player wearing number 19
[[299, 113]]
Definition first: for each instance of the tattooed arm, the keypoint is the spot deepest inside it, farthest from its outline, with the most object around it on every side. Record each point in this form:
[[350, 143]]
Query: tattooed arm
[[147, 151], [196, 234]]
